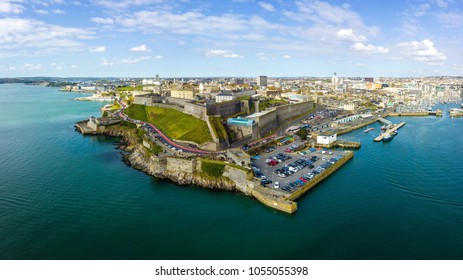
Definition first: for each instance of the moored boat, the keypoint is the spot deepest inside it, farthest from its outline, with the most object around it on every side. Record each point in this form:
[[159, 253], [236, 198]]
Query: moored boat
[[369, 129], [387, 137]]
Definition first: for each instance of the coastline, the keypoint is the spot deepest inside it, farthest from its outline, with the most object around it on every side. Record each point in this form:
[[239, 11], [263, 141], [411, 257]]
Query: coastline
[[183, 172], [194, 171]]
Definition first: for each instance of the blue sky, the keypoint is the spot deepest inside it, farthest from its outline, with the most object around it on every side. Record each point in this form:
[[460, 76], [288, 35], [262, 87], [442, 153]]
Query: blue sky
[[142, 38]]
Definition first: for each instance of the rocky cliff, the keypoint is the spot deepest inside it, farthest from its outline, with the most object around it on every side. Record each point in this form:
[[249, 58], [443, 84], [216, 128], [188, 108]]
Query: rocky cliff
[[142, 159], [151, 165]]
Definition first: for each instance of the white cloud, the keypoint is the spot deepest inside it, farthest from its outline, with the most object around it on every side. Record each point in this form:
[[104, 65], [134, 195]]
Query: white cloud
[[286, 56], [267, 6], [369, 49], [128, 60], [8, 7], [422, 10], [102, 20], [324, 13], [263, 56], [41, 12], [187, 23], [348, 34], [222, 53], [99, 49], [450, 19], [105, 62], [123, 4], [26, 66], [141, 48], [442, 3], [32, 37], [422, 51], [58, 12]]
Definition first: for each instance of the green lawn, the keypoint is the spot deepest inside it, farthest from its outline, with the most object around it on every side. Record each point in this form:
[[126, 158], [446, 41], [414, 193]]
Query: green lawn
[[216, 168], [173, 123], [213, 169], [130, 88], [269, 103]]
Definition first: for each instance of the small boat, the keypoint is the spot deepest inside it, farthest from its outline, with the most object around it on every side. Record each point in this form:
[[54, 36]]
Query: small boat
[[461, 105], [383, 127], [369, 129], [394, 133], [387, 137]]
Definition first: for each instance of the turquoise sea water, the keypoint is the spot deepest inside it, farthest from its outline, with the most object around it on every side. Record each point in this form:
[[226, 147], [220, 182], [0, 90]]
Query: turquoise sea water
[[66, 196]]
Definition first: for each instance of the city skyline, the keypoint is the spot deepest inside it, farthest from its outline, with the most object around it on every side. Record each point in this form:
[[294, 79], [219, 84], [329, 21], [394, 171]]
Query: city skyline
[[237, 38]]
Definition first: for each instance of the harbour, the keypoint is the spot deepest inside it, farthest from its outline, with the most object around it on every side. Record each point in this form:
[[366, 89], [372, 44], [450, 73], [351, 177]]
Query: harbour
[[391, 130], [100, 208]]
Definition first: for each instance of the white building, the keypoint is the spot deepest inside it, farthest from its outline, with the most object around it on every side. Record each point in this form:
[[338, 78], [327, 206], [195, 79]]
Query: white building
[[222, 97], [334, 79], [295, 98], [326, 138], [348, 106]]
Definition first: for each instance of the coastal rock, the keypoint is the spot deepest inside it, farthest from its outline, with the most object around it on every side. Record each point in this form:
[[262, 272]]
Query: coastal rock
[[140, 158]]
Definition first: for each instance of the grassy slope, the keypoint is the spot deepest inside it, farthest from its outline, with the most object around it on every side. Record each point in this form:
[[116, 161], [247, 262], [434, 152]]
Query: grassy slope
[[173, 123], [218, 127]]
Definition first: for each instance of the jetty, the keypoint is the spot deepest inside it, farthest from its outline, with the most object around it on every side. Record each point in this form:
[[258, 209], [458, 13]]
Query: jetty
[[384, 121], [94, 125], [437, 113], [389, 130], [456, 112]]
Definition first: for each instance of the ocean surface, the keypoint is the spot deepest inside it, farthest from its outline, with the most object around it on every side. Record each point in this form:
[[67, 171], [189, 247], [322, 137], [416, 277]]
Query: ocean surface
[[66, 196]]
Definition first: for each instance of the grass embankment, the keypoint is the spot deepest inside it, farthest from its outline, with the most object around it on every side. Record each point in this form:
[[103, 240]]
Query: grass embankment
[[173, 123], [212, 168], [115, 106], [218, 128], [215, 168], [130, 88], [271, 103], [137, 135]]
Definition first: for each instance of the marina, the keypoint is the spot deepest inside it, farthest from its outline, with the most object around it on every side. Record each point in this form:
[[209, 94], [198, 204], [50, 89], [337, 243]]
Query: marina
[[456, 112], [389, 133]]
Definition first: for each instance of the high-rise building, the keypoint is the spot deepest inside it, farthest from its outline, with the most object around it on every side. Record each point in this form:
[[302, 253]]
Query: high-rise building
[[262, 81], [334, 79]]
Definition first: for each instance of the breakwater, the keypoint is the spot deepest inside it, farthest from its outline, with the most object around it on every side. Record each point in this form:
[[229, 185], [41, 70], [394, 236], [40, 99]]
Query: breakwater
[[437, 113]]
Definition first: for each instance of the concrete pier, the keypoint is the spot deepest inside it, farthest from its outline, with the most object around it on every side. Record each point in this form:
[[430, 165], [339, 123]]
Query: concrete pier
[[384, 121], [389, 130]]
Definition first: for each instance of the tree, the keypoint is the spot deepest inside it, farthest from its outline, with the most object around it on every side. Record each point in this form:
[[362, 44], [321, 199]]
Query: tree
[[302, 133]]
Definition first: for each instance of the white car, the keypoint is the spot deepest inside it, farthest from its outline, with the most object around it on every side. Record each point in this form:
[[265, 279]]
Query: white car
[[276, 185]]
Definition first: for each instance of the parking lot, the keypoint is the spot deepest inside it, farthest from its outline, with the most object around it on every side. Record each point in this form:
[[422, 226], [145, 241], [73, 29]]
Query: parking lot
[[285, 170]]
